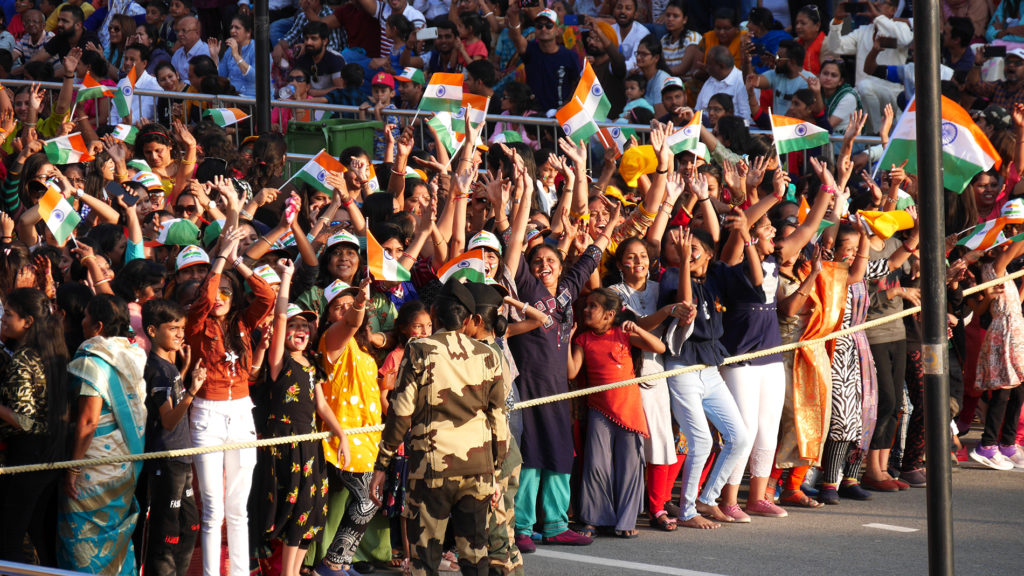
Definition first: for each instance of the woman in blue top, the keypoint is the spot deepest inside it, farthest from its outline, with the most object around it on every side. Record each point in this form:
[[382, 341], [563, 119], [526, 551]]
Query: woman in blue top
[[759, 385], [238, 63]]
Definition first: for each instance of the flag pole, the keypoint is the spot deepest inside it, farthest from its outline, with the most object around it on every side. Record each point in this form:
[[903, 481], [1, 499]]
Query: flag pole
[[775, 140]]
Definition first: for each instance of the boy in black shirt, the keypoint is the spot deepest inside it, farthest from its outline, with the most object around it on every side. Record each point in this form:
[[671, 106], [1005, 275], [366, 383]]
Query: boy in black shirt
[[173, 516]]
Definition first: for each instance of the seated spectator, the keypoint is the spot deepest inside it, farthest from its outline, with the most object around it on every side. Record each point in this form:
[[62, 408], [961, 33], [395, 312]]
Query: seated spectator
[[399, 30], [70, 33], [651, 63], [765, 34], [324, 64], [297, 90], [725, 32], [469, 47], [875, 92], [480, 79], [52, 21], [673, 100], [841, 99], [190, 46], [148, 36], [719, 105], [629, 31], [137, 56], [1007, 23], [680, 46], [809, 34], [957, 34], [786, 78], [443, 57], [292, 41], [516, 100], [609, 66], [32, 40], [726, 78]]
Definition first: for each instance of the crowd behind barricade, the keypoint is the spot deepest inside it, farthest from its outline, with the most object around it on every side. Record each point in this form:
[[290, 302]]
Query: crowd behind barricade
[[168, 282]]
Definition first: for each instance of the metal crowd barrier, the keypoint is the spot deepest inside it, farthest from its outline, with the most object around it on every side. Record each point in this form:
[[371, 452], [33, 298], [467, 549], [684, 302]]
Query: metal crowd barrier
[[540, 124]]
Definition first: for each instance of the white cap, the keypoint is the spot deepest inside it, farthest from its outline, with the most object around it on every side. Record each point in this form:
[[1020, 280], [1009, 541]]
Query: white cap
[[190, 256], [267, 273], [333, 289]]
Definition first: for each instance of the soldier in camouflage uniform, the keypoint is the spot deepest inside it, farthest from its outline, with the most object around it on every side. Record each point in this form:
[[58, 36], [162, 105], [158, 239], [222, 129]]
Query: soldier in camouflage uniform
[[504, 556], [450, 396]]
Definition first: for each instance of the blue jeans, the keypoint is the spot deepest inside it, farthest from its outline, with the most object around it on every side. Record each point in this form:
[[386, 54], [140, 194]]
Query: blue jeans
[[279, 28], [696, 398]]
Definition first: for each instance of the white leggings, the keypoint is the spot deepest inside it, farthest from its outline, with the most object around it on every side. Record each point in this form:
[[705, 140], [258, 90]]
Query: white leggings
[[760, 392], [224, 479]]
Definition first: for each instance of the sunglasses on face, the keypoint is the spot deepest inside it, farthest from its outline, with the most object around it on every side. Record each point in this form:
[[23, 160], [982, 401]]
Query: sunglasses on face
[[297, 78], [189, 209], [545, 25]]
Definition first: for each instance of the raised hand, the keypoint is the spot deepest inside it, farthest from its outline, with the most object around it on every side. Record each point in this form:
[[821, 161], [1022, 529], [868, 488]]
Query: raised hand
[[780, 183], [71, 60], [698, 184], [822, 171], [756, 172]]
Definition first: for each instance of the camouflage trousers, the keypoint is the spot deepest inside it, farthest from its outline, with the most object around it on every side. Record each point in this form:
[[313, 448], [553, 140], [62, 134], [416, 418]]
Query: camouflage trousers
[[431, 504], [505, 558]]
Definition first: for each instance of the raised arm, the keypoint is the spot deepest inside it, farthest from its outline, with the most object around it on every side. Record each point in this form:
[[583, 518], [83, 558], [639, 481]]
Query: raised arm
[[339, 333], [275, 355], [515, 33], [520, 210]]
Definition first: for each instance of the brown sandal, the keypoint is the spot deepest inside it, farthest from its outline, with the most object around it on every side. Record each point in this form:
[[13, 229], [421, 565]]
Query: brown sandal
[[799, 499], [664, 522]]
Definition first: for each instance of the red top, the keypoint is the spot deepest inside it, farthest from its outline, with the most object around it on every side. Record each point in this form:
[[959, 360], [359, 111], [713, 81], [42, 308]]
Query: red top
[[607, 359], [227, 374]]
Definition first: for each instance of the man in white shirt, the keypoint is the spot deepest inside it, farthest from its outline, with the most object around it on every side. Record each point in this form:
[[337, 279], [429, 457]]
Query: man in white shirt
[[875, 93], [141, 106], [630, 32], [187, 30], [432, 9], [725, 78]]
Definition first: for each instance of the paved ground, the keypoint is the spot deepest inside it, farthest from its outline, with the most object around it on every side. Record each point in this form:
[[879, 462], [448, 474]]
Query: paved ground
[[988, 509]]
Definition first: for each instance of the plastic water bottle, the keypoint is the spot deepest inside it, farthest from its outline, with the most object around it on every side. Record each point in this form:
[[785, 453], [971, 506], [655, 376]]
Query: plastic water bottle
[[286, 92]]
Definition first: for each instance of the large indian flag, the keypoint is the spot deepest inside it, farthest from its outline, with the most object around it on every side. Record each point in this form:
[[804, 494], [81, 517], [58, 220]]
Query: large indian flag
[[125, 93], [591, 96], [575, 122], [315, 171], [966, 150], [69, 149], [687, 137], [792, 134], [443, 93], [382, 265], [59, 215]]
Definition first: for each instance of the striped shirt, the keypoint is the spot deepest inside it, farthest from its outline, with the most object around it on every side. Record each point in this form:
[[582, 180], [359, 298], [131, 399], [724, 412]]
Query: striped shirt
[[672, 51], [384, 12]]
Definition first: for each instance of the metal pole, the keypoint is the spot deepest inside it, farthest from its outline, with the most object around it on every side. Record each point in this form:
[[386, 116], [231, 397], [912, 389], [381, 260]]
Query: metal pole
[[263, 95], [934, 350]]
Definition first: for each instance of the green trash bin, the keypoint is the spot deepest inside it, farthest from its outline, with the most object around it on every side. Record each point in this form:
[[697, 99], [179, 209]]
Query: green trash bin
[[333, 135]]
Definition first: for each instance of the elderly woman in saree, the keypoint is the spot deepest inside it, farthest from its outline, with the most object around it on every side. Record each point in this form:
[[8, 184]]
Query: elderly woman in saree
[[98, 511]]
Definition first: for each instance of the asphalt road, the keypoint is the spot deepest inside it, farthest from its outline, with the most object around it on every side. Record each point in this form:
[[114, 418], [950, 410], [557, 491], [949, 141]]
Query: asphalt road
[[886, 535]]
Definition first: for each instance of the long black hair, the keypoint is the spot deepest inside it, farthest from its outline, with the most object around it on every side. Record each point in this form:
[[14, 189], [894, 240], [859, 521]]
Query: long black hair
[[112, 312], [45, 337], [136, 276], [236, 340]]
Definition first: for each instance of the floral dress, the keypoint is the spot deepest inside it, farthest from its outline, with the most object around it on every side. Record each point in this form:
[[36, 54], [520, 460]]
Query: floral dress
[[1001, 361], [296, 484]]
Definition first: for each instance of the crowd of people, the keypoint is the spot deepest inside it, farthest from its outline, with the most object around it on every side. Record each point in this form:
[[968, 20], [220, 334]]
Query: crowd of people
[[175, 283]]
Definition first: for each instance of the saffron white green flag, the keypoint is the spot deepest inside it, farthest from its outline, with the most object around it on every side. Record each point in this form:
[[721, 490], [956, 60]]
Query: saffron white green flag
[[792, 135], [443, 93], [591, 95], [470, 265], [575, 122], [125, 133], [687, 137], [442, 125], [59, 215], [984, 236], [315, 172], [69, 149], [225, 116], [966, 150]]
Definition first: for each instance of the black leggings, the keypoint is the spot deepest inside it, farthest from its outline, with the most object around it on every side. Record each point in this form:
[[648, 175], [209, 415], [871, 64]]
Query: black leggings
[[890, 364], [1002, 416], [28, 504]]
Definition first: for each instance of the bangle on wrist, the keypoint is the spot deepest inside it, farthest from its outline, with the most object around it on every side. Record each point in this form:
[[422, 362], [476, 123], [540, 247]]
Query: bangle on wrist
[[104, 281], [75, 471], [830, 189], [244, 214], [347, 203], [660, 171], [238, 262]]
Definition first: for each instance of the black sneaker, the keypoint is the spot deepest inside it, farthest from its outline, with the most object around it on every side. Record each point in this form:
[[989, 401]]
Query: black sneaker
[[916, 478]]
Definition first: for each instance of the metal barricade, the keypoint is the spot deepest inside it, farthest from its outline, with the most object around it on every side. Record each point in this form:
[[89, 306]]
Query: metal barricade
[[540, 125]]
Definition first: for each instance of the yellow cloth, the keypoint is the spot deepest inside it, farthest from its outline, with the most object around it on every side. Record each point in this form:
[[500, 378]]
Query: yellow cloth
[[885, 224], [51, 22], [353, 395]]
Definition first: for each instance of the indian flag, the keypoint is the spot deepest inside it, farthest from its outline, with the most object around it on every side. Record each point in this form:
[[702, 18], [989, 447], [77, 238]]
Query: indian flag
[[591, 96], [792, 135], [125, 92], [125, 133], [315, 171], [469, 265], [575, 122], [1010, 240], [983, 236], [479, 114], [442, 125], [58, 214], [91, 89], [616, 136], [687, 137], [224, 117], [443, 93], [68, 149], [382, 265], [373, 184], [966, 150]]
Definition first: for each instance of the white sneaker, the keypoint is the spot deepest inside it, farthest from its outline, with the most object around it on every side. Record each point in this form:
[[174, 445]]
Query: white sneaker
[[1018, 457], [996, 461]]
